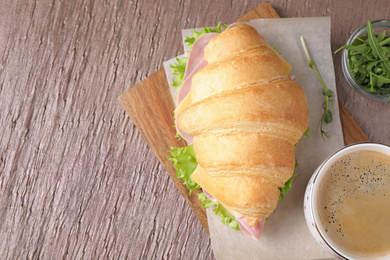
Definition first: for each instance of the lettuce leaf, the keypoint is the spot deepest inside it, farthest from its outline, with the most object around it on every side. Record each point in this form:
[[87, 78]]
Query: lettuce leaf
[[287, 187], [178, 70], [288, 184], [185, 163], [178, 136], [195, 35], [307, 132], [206, 203], [227, 217]]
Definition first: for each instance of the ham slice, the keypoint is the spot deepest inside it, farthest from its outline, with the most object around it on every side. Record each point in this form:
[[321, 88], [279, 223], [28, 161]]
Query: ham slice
[[186, 86], [189, 138], [209, 196], [197, 52], [195, 63], [234, 24], [252, 232]]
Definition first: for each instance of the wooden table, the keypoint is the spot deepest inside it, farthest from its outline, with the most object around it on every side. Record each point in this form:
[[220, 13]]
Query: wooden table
[[76, 178]]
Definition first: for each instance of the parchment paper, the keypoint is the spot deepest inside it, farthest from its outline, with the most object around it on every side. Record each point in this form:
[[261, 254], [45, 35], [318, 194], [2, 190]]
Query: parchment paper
[[285, 235]]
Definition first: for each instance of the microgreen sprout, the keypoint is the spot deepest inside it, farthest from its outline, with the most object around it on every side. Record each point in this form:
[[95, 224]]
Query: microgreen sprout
[[327, 117]]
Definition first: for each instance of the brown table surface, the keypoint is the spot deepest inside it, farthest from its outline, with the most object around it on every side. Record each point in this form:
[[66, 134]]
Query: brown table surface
[[77, 179]]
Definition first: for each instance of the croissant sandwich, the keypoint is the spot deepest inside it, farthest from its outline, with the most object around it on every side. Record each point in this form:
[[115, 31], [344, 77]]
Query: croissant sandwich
[[243, 114]]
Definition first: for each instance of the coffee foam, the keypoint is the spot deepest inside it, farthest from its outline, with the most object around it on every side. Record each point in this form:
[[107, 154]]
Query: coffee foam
[[353, 203]]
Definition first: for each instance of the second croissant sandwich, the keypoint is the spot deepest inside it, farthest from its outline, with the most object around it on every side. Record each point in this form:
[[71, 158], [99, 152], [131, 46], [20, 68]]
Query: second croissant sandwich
[[245, 115]]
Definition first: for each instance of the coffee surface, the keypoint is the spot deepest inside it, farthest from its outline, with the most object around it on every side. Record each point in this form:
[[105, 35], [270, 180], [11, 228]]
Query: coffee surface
[[353, 203]]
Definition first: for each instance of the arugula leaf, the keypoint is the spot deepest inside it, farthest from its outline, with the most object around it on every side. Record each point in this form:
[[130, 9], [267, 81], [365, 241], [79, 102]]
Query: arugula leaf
[[385, 41], [185, 163], [372, 40], [195, 35], [380, 80], [381, 36], [377, 50], [362, 48], [368, 61]]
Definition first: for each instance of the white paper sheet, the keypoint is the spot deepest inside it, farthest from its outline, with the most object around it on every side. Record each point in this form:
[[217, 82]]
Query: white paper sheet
[[285, 235]]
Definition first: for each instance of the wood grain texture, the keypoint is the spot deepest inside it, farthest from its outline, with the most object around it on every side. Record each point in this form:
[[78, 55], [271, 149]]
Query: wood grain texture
[[77, 180], [351, 131]]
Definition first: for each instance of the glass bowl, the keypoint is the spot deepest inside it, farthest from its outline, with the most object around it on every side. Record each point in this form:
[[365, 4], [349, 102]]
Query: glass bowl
[[378, 27]]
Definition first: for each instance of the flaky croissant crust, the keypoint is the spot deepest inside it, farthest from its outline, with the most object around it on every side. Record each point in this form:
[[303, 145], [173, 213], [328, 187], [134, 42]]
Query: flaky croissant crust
[[245, 114]]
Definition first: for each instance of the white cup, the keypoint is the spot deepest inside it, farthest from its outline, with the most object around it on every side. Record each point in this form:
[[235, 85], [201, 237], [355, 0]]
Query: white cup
[[310, 198]]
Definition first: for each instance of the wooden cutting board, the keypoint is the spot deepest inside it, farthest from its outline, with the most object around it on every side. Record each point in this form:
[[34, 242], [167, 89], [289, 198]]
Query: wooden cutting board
[[149, 105]]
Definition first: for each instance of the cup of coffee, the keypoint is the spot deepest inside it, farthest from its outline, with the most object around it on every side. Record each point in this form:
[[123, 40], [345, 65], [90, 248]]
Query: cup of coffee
[[347, 202]]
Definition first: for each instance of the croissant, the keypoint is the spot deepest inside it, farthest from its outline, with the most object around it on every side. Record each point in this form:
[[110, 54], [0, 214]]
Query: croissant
[[246, 115]]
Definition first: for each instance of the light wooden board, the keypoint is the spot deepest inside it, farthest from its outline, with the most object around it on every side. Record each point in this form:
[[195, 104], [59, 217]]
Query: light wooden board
[[150, 107]]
